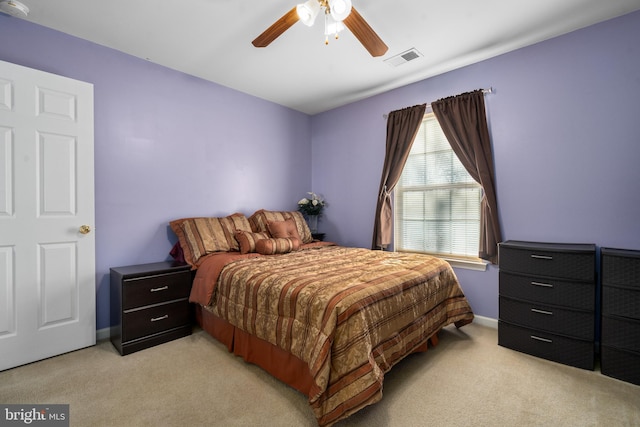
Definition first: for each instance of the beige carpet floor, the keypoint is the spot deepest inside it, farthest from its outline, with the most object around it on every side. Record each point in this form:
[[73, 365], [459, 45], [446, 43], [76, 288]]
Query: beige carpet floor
[[467, 380]]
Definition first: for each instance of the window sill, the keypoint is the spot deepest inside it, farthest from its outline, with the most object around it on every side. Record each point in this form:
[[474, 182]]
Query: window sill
[[476, 264]]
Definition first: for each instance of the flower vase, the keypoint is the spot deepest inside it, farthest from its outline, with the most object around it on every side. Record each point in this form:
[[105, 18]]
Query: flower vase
[[312, 220]]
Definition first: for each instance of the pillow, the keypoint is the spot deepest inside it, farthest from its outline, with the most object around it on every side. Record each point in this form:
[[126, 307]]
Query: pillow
[[261, 218], [236, 222], [177, 253], [277, 246], [202, 236], [247, 240], [283, 229]]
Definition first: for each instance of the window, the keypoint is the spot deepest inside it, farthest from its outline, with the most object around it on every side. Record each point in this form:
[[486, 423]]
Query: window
[[437, 203]]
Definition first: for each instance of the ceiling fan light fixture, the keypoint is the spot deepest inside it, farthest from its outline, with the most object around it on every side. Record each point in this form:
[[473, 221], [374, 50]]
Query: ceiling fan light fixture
[[332, 27], [308, 11], [339, 9]]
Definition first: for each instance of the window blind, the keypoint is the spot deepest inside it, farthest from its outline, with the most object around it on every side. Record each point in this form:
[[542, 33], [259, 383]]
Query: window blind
[[437, 203]]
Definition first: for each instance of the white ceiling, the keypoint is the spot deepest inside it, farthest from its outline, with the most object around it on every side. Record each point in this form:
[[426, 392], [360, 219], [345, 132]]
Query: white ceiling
[[211, 39]]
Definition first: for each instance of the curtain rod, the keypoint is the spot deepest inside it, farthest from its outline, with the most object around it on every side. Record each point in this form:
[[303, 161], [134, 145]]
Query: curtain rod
[[485, 91]]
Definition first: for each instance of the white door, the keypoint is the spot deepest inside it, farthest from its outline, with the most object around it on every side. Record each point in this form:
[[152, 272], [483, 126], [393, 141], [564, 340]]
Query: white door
[[47, 264]]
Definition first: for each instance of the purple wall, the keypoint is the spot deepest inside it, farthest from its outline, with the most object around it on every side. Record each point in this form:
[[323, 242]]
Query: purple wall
[[167, 145], [563, 119], [565, 124]]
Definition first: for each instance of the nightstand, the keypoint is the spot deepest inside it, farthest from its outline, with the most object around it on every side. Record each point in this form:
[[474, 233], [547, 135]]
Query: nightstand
[[150, 305]]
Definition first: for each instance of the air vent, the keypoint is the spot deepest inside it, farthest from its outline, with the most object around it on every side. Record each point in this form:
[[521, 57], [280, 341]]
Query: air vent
[[403, 58]]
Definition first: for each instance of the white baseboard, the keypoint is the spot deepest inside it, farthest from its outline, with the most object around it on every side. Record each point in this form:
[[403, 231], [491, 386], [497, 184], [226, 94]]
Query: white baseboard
[[486, 321]]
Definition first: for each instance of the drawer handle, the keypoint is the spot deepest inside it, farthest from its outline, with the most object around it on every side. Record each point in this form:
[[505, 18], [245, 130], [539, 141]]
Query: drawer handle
[[164, 288], [543, 285], [155, 319], [548, 313], [533, 337], [547, 257]]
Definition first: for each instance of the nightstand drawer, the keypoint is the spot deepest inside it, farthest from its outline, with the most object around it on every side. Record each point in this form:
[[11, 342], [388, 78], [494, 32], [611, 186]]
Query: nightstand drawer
[[148, 290], [559, 320], [570, 351], [548, 291], [575, 262], [154, 319]]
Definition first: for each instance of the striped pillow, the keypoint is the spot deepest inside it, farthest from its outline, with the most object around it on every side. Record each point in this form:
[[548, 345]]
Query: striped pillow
[[260, 219], [236, 222], [247, 240], [201, 236], [275, 246]]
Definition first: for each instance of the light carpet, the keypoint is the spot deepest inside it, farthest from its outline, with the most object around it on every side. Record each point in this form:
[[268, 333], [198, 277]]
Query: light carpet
[[467, 380]]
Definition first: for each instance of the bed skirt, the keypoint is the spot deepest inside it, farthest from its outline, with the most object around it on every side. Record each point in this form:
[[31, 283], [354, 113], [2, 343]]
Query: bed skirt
[[282, 365]]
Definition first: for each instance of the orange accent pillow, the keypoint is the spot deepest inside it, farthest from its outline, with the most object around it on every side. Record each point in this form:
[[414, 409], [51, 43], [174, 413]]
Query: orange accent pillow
[[275, 246], [247, 240], [283, 229]]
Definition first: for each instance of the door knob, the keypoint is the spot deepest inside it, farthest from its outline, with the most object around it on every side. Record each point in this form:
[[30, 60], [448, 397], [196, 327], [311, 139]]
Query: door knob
[[85, 229]]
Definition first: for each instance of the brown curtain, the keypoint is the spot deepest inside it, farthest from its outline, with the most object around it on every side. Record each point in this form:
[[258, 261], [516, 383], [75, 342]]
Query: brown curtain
[[402, 127], [464, 123]]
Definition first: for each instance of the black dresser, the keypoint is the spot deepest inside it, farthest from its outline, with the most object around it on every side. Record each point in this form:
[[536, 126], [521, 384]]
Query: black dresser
[[547, 301], [620, 338]]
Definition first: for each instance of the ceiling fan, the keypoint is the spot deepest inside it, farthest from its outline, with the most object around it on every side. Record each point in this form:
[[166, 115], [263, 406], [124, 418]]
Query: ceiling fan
[[337, 14]]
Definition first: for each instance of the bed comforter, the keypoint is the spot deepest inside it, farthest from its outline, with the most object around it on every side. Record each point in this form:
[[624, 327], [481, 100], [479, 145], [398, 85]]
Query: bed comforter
[[349, 313]]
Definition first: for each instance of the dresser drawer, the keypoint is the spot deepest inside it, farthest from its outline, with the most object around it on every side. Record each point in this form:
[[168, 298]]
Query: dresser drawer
[[153, 319], [621, 364], [574, 323], [153, 289], [621, 267], [621, 301], [548, 291], [570, 351], [575, 262], [621, 332]]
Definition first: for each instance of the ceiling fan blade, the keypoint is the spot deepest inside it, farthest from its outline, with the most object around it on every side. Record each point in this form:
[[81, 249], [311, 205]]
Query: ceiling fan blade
[[275, 30], [363, 32]]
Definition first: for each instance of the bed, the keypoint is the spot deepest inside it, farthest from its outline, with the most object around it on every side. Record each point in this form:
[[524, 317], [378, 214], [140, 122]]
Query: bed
[[327, 320]]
